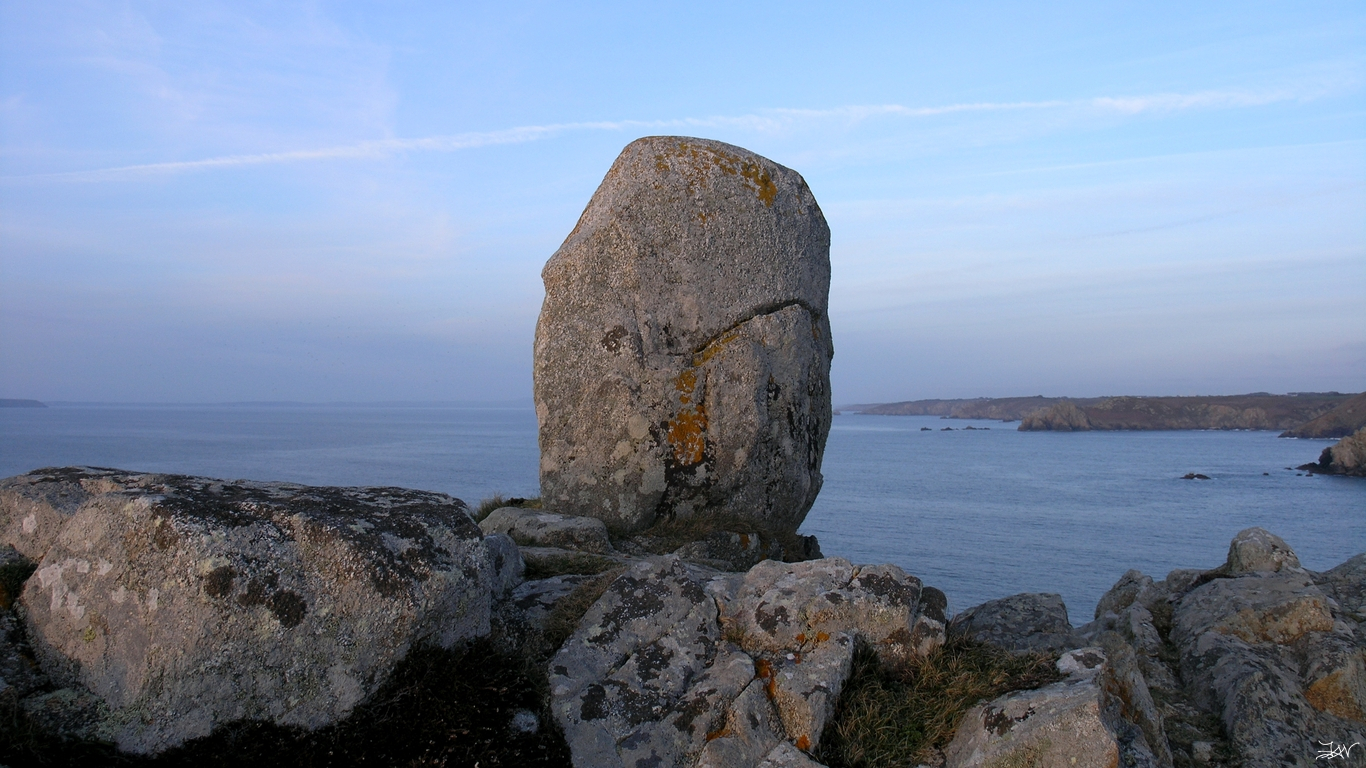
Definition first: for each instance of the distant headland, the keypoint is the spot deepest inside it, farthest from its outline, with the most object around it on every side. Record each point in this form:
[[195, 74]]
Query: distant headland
[[1301, 414], [21, 404]]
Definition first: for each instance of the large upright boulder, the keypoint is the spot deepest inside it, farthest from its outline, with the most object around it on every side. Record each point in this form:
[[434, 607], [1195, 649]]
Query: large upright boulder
[[184, 603], [683, 350]]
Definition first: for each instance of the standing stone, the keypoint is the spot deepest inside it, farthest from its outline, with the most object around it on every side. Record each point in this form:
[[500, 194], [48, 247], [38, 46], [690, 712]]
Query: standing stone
[[683, 350]]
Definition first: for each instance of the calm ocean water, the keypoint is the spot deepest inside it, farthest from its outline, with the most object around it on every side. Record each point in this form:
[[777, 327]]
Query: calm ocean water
[[979, 513]]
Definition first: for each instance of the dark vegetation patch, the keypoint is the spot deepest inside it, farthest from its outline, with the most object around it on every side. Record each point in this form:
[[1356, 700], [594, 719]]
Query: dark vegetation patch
[[576, 563], [671, 533], [565, 616], [893, 715], [13, 574], [440, 708]]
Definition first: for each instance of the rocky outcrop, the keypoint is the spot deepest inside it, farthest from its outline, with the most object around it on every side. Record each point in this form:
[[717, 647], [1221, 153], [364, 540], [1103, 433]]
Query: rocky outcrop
[[678, 664], [1087, 719], [164, 605], [683, 351], [1273, 653], [1024, 622], [1063, 417], [1341, 421], [537, 528], [1346, 457]]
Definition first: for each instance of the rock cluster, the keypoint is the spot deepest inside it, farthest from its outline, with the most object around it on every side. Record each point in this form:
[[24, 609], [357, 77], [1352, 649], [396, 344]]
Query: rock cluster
[[678, 664], [165, 605], [683, 351]]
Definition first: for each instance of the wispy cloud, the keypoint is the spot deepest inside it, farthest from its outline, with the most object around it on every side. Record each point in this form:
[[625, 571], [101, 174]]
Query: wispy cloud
[[771, 120]]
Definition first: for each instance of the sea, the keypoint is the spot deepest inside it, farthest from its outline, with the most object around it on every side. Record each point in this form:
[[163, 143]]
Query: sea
[[975, 508]]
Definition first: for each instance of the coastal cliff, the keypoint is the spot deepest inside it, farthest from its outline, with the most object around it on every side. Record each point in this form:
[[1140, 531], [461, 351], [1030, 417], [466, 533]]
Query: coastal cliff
[[1255, 411], [1346, 418]]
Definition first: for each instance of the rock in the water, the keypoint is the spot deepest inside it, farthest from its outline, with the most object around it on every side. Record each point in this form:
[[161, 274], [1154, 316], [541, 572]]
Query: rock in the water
[[1024, 622], [1346, 457], [683, 351], [537, 528], [182, 603]]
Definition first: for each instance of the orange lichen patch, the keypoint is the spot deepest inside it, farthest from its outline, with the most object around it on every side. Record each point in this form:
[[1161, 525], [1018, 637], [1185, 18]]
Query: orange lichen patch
[[822, 637], [714, 735], [744, 540], [686, 382], [704, 159], [797, 657], [687, 433], [1331, 694], [757, 176], [804, 742], [801, 637], [714, 348]]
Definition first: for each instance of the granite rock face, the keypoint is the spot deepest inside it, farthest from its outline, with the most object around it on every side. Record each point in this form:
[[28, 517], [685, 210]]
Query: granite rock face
[[683, 351], [537, 528], [1024, 622], [181, 603], [1275, 652], [681, 665], [1078, 721], [1062, 417]]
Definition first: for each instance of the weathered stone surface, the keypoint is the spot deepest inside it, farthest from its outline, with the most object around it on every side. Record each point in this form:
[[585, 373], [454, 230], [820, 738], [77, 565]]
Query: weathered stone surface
[[1024, 622], [35, 507], [692, 666], [787, 756], [647, 675], [1063, 724], [1272, 655], [1259, 550], [538, 528], [182, 603], [1347, 585], [508, 566], [728, 551], [683, 351]]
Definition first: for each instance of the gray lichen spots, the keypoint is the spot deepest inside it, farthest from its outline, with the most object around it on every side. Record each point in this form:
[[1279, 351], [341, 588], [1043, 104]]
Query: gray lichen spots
[[770, 621], [934, 604], [897, 592], [594, 703], [651, 660]]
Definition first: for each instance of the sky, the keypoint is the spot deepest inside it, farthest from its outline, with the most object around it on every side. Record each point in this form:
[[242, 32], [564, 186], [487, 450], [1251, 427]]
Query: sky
[[333, 201]]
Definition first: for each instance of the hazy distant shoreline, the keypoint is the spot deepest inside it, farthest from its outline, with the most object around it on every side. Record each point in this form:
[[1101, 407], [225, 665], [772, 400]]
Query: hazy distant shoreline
[[1259, 410]]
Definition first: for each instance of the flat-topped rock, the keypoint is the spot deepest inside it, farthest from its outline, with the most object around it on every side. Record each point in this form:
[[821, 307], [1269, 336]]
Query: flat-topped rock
[[683, 350], [182, 603], [539, 528]]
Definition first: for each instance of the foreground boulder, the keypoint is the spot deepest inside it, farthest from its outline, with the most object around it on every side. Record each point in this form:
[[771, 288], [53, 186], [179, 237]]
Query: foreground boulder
[[680, 665], [1087, 719], [683, 351], [177, 604], [1273, 652], [1024, 622]]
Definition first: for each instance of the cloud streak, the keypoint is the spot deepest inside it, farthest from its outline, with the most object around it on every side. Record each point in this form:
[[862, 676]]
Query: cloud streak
[[772, 120]]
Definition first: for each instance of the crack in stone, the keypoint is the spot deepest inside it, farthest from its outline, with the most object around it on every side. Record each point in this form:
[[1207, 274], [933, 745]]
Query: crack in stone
[[757, 312]]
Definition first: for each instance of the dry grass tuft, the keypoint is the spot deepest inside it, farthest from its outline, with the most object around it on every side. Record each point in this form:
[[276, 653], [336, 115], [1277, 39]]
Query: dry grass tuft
[[496, 501], [583, 563], [899, 715], [565, 616]]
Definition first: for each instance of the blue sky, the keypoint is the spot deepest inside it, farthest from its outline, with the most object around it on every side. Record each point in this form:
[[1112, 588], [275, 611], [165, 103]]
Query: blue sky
[[353, 201]]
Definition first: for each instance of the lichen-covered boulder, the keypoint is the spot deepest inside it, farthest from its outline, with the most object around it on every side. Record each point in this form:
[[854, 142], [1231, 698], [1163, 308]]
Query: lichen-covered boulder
[[682, 355], [183, 603], [1024, 622], [538, 528], [681, 665], [1079, 721]]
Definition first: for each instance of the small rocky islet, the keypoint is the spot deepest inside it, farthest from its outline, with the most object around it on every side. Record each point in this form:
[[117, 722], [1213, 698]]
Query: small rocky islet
[[658, 594]]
